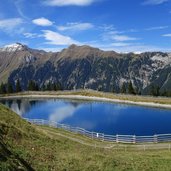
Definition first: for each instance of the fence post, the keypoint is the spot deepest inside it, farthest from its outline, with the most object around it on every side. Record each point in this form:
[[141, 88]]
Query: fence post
[[134, 139], [155, 139], [117, 138], [103, 137], [97, 134]]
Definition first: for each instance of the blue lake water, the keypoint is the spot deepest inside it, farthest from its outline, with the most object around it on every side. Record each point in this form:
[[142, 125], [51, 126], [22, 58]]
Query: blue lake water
[[108, 118]]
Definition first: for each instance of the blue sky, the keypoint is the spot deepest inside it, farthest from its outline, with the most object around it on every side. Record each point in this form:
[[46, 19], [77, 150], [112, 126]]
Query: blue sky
[[119, 25]]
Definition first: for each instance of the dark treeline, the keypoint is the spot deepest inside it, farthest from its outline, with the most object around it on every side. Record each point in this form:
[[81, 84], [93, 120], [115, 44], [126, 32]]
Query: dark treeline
[[126, 88], [129, 88], [155, 90], [32, 86]]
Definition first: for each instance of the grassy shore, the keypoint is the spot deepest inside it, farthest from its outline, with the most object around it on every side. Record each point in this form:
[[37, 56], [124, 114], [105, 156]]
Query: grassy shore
[[91, 93], [24, 146]]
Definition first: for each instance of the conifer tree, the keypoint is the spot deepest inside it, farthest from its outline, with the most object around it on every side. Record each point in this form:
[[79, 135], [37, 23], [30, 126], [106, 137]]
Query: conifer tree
[[32, 86], [58, 86], [3, 88], [130, 88], [9, 87], [36, 87], [123, 88], [54, 87], [18, 86], [155, 90], [43, 87], [49, 86], [164, 93]]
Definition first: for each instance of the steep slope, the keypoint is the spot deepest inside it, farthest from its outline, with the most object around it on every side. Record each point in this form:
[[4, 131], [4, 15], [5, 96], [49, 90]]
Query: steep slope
[[87, 67], [12, 131], [24, 146], [17, 56]]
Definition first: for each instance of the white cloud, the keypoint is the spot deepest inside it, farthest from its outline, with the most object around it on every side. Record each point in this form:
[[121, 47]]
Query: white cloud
[[68, 2], [122, 47], [167, 35], [120, 44], [156, 28], [122, 38], [132, 30], [154, 2], [75, 26], [58, 39], [117, 36], [106, 27], [135, 48], [51, 49], [31, 35], [10, 23], [113, 32], [62, 113], [42, 22], [19, 7]]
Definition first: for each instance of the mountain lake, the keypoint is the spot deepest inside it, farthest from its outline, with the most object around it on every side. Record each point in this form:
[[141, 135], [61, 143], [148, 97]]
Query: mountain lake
[[103, 117]]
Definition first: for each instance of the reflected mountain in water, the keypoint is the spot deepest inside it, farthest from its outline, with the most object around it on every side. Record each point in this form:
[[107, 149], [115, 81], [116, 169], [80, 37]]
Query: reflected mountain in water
[[19, 106], [96, 116]]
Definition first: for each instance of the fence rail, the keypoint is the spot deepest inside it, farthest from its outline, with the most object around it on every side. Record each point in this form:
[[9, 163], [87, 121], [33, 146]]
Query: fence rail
[[132, 139]]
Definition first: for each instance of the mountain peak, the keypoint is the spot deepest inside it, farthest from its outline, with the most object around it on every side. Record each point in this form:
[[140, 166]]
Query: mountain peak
[[14, 47], [74, 46], [84, 51]]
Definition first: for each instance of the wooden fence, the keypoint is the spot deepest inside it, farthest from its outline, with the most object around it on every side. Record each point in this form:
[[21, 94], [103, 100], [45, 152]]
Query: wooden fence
[[132, 139]]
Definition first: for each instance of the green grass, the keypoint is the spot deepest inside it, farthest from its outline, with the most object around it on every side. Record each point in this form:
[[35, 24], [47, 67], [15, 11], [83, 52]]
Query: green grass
[[24, 146], [92, 93]]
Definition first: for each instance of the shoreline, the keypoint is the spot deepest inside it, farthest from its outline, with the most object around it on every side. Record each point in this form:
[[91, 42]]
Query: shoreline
[[91, 98]]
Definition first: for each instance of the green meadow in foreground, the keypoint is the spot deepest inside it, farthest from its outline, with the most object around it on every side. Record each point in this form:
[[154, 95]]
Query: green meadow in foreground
[[24, 146]]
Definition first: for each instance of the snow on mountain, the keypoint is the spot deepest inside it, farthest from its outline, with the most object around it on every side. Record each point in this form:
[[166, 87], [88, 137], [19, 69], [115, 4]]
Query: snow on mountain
[[86, 67], [13, 47]]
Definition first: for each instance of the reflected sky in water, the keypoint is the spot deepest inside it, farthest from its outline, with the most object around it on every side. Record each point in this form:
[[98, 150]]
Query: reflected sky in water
[[96, 116]]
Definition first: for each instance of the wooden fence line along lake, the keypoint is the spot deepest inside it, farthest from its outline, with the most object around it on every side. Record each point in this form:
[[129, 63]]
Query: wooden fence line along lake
[[107, 118], [132, 139]]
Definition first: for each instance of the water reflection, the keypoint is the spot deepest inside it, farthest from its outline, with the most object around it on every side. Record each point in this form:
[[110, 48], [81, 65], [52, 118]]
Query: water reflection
[[95, 116], [18, 106], [61, 113]]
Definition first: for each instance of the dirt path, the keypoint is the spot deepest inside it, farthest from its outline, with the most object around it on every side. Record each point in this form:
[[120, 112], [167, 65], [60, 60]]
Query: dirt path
[[52, 134], [114, 146]]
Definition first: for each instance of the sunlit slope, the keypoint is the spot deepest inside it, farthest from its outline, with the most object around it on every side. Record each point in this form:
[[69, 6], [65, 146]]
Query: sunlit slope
[[26, 147], [86, 67]]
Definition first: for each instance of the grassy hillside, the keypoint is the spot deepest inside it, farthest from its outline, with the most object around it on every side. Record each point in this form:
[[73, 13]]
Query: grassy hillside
[[27, 147]]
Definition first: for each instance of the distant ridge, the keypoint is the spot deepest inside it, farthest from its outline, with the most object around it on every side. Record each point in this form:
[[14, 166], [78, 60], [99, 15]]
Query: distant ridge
[[84, 66]]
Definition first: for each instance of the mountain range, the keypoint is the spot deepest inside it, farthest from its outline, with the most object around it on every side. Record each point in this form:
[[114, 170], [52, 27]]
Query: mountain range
[[85, 67]]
